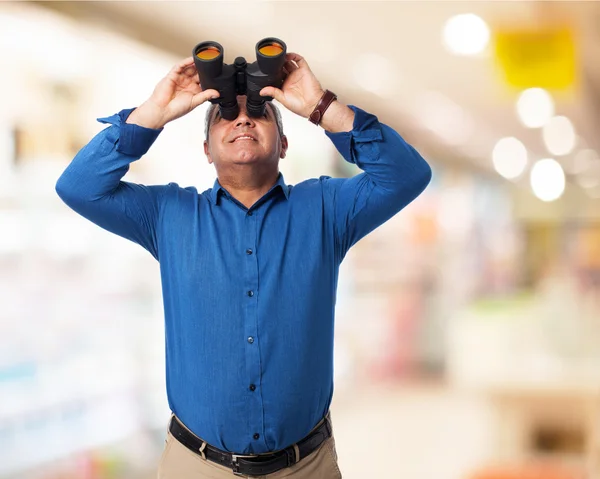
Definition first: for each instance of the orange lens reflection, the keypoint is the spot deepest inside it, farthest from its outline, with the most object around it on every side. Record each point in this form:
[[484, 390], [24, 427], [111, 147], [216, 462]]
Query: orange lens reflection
[[271, 49], [208, 53]]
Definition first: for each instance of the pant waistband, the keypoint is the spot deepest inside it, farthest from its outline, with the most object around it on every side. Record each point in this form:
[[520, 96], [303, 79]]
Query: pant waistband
[[253, 464]]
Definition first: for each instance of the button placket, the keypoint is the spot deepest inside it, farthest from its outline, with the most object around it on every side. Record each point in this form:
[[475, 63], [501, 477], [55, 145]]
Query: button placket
[[253, 371]]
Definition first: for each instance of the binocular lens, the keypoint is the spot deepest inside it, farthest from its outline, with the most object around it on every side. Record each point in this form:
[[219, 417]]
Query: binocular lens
[[271, 49], [208, 53]]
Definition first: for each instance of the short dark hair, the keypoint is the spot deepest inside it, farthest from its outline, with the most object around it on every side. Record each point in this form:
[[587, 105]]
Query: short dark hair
[[213, 107]]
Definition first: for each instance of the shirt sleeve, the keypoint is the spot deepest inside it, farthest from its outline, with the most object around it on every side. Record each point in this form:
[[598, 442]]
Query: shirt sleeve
[[91, 185], [394, 174]]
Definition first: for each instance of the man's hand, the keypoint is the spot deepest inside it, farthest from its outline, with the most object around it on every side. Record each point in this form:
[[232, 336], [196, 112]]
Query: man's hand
[[300, 91], [176, 95]]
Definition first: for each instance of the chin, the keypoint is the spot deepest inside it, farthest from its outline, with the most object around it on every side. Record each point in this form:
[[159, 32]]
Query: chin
[[247, 157]]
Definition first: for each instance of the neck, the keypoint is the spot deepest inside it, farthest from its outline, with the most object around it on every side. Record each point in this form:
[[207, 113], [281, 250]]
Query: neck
[[247, 184]]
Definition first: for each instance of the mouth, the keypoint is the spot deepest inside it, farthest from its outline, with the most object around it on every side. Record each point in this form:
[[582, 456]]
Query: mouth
[[244, 137]]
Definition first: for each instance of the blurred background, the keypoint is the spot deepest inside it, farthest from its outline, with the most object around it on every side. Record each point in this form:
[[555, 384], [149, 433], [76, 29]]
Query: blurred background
[[468, 326]]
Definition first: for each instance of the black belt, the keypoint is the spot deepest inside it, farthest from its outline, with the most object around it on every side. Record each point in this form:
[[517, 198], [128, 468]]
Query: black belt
[[252, 465]]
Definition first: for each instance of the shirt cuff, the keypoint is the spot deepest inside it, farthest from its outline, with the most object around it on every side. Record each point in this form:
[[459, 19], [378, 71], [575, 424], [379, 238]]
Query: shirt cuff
[[365, 128], [134, 140]]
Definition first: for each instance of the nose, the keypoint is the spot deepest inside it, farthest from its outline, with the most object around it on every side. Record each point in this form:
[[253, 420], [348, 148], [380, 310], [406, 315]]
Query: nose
[[243, 121], [243, 118]]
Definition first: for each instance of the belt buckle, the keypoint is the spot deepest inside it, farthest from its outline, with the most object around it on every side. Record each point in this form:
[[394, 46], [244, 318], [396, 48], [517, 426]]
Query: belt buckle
[[235, 466]]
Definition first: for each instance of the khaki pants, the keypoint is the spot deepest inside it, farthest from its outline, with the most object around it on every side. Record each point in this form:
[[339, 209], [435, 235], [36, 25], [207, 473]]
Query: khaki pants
[[178, 462]]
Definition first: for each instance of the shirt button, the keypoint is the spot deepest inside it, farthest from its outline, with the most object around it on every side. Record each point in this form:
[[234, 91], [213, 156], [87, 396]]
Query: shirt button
[[252, 387], [256, 436], [249, 213], [248, 251], [250, 293], [250, 339]]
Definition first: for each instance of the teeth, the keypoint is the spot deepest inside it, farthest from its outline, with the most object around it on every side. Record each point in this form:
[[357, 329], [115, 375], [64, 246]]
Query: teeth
[[244, 138]]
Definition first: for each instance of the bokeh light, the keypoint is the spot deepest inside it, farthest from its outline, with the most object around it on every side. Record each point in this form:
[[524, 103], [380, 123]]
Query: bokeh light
[[465, 34], [509, 157], [535, 107], [559, 135], [547, 179]]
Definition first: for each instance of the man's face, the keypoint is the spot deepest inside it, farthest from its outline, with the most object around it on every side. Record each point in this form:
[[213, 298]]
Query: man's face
[[245, 140]]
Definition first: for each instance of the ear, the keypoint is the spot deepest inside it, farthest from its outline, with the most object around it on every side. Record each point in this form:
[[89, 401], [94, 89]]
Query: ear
[[207, 153], [284, 146]]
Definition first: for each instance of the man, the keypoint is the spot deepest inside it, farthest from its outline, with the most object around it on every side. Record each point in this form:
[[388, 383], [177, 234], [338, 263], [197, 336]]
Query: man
[[249, 268]]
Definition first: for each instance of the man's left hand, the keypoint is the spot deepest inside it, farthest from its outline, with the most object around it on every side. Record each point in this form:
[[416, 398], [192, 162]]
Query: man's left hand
[[301, 91]]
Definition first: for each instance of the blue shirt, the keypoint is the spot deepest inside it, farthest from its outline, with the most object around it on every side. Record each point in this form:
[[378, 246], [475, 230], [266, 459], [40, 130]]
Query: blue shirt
[[249, 294]]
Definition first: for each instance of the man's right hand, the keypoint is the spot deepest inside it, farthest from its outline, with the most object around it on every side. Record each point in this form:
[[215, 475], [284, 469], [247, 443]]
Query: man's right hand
[[175, 95]]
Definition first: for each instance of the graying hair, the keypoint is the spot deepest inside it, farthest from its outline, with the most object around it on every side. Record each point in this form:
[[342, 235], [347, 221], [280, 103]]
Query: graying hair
[[211, 109]]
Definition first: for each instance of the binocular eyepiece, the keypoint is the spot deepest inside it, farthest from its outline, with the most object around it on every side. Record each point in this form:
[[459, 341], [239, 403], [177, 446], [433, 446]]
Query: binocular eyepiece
[[240, 78]]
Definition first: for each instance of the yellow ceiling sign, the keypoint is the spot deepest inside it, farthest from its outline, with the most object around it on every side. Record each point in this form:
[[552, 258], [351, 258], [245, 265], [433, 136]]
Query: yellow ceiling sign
[[537, 58]]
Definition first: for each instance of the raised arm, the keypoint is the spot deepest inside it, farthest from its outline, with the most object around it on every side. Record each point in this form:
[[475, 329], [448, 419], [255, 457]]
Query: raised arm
[[394, 173], [91, 185]]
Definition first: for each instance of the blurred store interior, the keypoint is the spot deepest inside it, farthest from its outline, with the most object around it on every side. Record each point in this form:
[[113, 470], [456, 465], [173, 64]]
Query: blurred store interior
[[468, 326]]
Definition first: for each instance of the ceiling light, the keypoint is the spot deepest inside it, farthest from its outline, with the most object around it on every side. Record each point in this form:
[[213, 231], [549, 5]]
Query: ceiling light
[[587, 181], [559, 135], [582, 160], [535, 107], [590, 176], [509, 157], [547, 179], [445, 118], [465, 34]]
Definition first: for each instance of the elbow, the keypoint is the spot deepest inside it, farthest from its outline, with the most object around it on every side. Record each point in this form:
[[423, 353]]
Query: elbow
[[426, 175], [416, 181], [67, 190], [60, 188], [63, 189]]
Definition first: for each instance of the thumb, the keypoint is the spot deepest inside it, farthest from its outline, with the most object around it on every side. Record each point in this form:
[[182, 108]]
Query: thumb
[[272, 92], [203, 96]]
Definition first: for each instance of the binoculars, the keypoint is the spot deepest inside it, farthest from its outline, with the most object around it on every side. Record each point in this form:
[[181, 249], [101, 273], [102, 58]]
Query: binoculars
[[240, 78]]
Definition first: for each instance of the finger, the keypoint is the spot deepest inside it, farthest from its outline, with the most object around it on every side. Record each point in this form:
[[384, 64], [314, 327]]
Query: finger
[[204, 96], [190, 71], [272, 92], [182, 65], [294, 57], [290, 66]]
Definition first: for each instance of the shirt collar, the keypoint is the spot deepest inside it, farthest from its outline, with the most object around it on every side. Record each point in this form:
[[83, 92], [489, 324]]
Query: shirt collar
[[217, 188]]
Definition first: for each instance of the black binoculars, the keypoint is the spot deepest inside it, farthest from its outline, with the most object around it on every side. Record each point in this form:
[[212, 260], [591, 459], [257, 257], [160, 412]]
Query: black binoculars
[[240, 78]]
